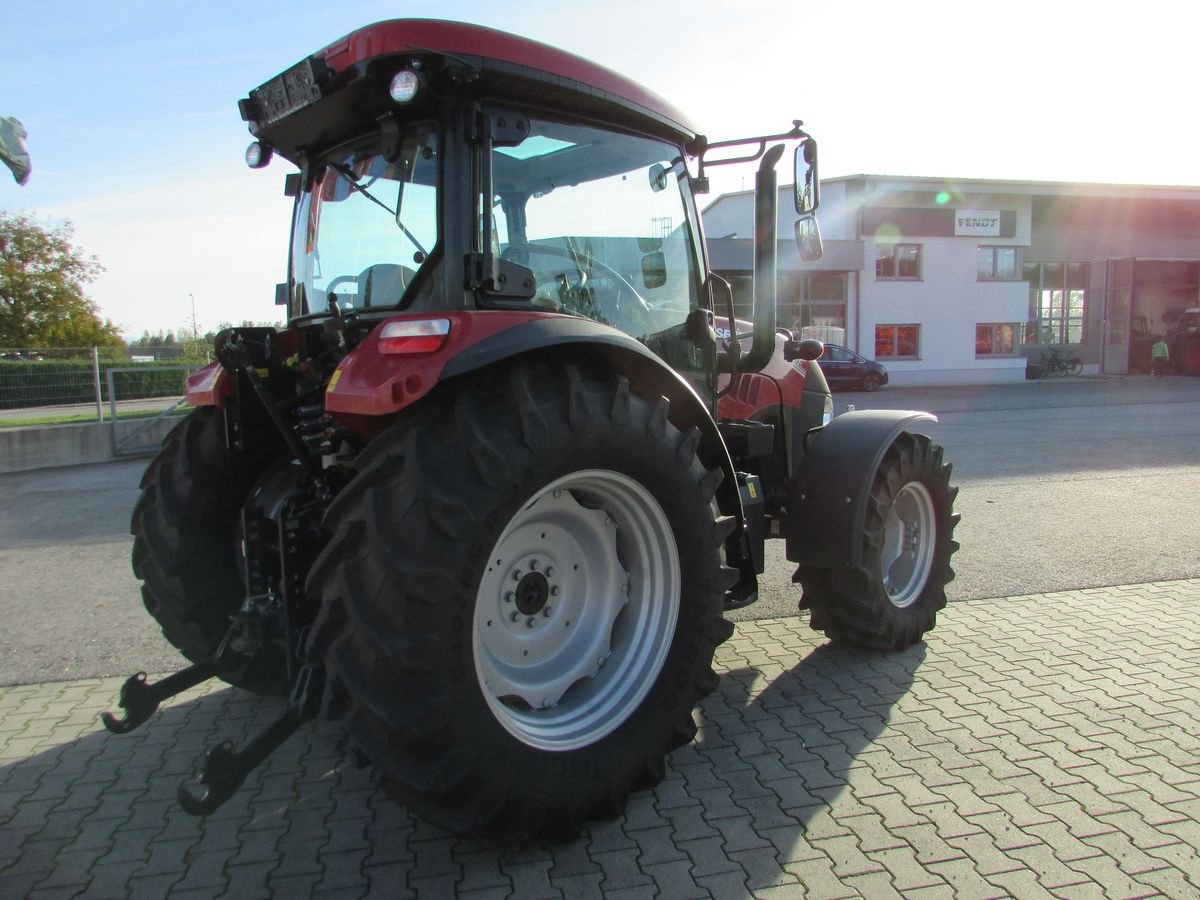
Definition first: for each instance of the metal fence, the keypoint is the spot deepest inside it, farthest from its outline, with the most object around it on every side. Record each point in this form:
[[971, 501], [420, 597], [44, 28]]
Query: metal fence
[[74, 383]]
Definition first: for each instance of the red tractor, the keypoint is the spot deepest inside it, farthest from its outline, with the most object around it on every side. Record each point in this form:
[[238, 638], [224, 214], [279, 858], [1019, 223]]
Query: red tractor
[[487, 496]]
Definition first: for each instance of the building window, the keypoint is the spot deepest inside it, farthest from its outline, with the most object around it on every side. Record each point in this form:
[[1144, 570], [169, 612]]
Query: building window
[[898, 341], [898, 261], [813, 305], [997, 339], [1057, 302], [996, 263], [742, 285]]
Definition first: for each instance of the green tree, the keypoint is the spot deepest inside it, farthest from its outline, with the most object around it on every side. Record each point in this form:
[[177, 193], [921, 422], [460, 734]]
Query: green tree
[[43, 276]]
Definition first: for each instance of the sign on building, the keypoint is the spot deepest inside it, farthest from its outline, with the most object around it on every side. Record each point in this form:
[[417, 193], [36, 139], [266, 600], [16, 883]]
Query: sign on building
[[977, 223]]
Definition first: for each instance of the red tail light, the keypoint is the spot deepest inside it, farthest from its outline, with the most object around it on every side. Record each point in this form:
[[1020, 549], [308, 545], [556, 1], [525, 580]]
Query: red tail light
[[414, 336]]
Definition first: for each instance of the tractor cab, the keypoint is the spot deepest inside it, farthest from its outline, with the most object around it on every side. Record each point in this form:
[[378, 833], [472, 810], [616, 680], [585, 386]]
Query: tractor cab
[[494, 173]]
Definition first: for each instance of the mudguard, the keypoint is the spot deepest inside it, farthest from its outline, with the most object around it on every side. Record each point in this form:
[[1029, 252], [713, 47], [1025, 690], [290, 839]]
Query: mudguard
[[577, 338], [209, 386], [828, 505]]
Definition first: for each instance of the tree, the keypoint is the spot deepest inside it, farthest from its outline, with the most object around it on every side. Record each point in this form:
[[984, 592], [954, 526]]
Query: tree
[[42, 283]]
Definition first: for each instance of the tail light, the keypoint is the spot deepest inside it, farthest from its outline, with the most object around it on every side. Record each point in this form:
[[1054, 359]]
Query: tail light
[[414, 336]]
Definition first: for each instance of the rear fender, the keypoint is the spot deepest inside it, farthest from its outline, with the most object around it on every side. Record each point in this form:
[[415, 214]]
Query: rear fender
[[828, 505], [209, 386], [369, 383], [574, 338]]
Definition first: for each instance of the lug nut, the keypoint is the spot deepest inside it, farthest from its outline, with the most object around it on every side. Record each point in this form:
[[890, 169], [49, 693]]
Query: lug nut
[[546, 611], [509, 596], [530, 622]]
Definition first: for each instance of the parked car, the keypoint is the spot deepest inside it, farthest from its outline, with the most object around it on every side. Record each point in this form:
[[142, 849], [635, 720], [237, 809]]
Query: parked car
[[844, 368]]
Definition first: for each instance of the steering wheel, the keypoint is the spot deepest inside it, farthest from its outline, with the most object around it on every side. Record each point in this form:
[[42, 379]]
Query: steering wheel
[[623, 307]]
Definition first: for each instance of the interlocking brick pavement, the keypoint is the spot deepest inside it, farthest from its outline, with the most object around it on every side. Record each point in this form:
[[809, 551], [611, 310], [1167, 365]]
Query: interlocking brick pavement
[[1033, 746]]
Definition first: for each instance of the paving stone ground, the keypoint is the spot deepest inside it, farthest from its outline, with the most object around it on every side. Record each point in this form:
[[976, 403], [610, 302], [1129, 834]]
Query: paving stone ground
[[1033, 746]]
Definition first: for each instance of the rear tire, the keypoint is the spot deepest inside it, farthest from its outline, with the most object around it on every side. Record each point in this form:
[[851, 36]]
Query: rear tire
[[185, 546], [892, 599], [478, 637]]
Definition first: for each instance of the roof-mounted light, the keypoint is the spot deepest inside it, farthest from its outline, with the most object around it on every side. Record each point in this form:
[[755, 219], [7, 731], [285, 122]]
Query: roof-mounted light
[[414, 336], [258, 154], [404, 86]]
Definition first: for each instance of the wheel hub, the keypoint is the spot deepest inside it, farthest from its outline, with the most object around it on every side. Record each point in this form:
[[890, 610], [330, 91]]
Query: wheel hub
[[576, 610], [532, 593], [909, 538]]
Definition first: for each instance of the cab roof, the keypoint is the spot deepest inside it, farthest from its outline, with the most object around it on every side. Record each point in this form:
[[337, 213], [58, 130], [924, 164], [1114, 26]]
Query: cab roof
[[475, 42]]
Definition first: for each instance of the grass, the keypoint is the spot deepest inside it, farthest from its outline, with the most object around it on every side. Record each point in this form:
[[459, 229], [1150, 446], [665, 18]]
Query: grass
[[75, 418]]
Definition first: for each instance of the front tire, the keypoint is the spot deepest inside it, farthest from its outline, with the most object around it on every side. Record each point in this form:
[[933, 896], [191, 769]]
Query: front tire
[[521, 599], [892, 599]]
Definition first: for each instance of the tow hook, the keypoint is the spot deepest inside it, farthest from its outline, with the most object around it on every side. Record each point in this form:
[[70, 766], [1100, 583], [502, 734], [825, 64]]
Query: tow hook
[[140, 699], [225, 769]]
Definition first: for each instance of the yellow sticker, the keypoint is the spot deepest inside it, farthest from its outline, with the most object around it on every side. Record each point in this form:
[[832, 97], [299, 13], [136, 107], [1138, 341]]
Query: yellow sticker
[[753, 490], [337, 373]]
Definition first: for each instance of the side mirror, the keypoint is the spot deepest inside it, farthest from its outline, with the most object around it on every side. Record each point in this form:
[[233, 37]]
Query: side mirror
[[809, 349], [654, 270], [808, 238], [808, 184]]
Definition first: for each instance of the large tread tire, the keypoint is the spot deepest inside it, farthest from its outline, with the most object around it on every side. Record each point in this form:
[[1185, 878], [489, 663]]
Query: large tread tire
[[403, 627], [854, 606], [185, 545]]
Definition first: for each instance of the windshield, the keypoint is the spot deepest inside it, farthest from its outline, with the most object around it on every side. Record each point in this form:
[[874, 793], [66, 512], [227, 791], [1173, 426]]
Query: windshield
[[600, 220], [368, 227]]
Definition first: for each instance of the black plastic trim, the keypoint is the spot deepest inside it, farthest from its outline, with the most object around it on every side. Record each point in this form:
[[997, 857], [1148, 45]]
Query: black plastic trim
[[827, 508]]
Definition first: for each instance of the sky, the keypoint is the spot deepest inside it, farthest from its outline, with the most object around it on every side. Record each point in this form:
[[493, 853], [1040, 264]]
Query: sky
[[136, 141]]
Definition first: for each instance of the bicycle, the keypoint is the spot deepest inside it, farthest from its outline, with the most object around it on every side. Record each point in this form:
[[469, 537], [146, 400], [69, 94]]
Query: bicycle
[[1059, 363]]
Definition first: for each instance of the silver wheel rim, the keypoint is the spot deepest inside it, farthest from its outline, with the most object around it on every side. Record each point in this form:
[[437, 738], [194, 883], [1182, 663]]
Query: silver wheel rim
[[577, 610], [909, 532]]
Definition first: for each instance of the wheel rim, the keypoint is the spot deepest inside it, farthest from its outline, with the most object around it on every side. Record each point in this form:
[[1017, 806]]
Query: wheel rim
[[577, 610], [909, 533]]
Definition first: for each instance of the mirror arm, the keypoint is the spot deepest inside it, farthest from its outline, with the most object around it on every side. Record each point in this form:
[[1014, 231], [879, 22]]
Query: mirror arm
[[796, 133]]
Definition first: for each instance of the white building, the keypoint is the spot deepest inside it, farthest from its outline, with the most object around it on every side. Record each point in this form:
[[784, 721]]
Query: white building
[[961, 281]]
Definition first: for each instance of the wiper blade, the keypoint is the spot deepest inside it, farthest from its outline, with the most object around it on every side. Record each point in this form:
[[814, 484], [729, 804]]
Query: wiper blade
[[355, 185]]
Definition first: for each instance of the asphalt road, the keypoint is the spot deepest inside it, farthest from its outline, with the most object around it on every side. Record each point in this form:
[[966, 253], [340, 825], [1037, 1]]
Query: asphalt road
[[1063, 485]]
